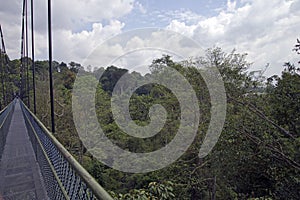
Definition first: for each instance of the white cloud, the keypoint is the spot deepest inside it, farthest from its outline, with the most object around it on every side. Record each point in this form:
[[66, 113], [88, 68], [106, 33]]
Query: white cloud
[[266, 30], [182, 28], [182, 15], [11, 25], [77, 46], [135, 50], [140, 7], [231, 6], [75, 15], [77, 25]]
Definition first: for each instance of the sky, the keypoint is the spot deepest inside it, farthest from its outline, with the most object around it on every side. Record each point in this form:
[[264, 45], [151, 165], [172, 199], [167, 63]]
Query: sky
[[265, 30]]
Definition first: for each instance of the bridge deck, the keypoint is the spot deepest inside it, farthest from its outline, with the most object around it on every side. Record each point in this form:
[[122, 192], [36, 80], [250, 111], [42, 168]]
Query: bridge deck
[[20, 176]]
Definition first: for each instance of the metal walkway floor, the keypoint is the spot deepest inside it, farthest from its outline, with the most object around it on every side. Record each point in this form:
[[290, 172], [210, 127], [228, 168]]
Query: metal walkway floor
[[20, 176]]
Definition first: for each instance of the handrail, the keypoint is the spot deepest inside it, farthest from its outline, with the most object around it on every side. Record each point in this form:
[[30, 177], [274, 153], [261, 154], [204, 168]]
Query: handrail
[[5, 119], [97, 191], [4, 108], [9, 109], [60, 185]]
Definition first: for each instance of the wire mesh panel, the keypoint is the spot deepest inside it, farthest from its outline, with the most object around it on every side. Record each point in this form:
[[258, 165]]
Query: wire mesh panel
[[64, 177], [5, 119], [51, 183]]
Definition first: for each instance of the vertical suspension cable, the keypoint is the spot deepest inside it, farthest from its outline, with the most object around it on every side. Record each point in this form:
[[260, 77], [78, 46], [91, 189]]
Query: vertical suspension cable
[[33, 64], [50, 66], [3, 78], [5, 69], [2, 75], [26, 55], [21, 84]]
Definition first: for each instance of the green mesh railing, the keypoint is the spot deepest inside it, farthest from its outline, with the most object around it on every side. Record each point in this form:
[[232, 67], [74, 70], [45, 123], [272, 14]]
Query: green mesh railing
[[64, 177]]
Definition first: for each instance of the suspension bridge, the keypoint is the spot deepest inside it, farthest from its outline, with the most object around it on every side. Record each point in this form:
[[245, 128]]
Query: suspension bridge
[[33, 163]]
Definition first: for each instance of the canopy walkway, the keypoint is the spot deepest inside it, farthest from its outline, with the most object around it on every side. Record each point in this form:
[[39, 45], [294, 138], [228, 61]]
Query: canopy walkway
[[34, 165]]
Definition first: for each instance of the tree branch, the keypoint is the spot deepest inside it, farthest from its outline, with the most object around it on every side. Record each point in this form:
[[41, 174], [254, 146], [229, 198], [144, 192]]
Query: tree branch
[[281, 155], [259, 113]]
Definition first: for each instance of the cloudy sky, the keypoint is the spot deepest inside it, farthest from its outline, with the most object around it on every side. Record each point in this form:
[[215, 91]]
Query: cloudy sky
[[265, 30]]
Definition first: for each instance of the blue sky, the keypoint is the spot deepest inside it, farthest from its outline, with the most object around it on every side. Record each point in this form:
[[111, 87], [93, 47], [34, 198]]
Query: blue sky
[[160, 13], [153, 13], [265, 30]]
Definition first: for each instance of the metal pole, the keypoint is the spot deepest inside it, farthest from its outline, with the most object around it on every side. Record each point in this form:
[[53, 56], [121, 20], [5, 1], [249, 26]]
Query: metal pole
[[33, 64], [50, 66]]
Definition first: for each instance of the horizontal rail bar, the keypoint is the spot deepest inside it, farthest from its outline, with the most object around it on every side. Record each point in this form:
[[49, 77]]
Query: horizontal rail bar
[[47, 159], [91, 183]]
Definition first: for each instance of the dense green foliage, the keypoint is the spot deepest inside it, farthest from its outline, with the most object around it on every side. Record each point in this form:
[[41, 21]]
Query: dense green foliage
[[257, 155]]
